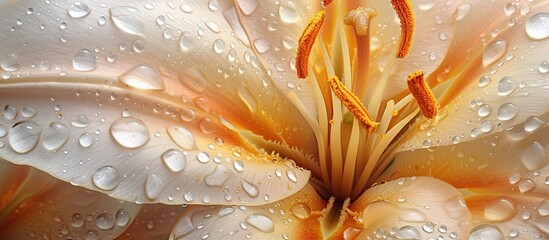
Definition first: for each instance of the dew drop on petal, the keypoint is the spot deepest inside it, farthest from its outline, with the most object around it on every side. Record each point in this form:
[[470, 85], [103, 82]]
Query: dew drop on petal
[[104, 221], [499, 209], [174, 159], [182, 136], [85, 140], [543, 208], [122, 217], [534, 157], [288, 13], [301, 210], [10, 63], [80, 121], [219, 175], [537, 26], [532, 124], [408, 233], [507, 111], [77, 220], [505, 86], [153, 186], [84, 60], [250, 188], [55, 135], [130, 132], [143, 77], [128, 19], [225, 211], [188, 196], [291, 175], [494, 51], [486, 232], [261, 222], [10, 112], [28, 112], [79, 10], [24, 136], [106, 178]]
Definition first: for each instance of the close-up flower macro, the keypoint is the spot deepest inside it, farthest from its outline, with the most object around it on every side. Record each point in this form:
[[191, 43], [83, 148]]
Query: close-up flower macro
[[284, 119]]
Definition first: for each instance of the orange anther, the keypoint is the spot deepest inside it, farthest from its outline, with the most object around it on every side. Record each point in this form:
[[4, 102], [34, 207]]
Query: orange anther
[[351, 101], [325, 3], [305, 43], [423, 94], [403, 9]]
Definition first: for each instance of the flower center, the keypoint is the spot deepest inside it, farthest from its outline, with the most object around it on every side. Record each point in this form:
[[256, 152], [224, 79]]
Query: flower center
[[351, 154]]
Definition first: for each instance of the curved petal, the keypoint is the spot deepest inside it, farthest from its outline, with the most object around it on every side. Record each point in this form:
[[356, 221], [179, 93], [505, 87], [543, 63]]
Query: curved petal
[[295, 217], [513, 162], [64, 211], [495, 87], [154, 221], [500, 217], [146, 124], [273, 29], [413, 208]]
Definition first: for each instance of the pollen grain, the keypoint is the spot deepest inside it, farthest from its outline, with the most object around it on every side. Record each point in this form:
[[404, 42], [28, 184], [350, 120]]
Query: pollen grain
[[423, 94], [305, 43]]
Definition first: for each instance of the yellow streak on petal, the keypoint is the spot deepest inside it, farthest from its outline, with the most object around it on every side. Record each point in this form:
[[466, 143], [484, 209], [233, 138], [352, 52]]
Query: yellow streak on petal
[[351, 101], [306, 41], [423, 94], [403, 9]]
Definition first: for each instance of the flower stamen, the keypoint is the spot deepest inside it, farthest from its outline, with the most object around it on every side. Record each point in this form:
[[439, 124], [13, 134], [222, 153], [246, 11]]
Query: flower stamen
[[423, 94], [305, 43], [351, 101], [403, 9], [325, 3]]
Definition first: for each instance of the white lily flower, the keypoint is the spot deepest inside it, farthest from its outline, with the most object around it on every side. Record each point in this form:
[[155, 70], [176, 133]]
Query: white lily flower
[[136, 108]]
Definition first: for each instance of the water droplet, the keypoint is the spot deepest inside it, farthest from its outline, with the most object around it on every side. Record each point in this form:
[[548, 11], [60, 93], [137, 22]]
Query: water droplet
[[138, 46], [238, 165], [85, 140], [261, 222], [532, 124], [225, 211], [54, 136], [250, 188], [486, 232], [10, 63], [213, 5], [291, 175], [182, 137], [83, 60], [143, 77], [526, 185], [153, 186], [288, 13], [130, 132], [203, 157], [301, 210], [174, 159], [484, 81], [80, 121], [537, 26], [24, 136], [79, 10], [507, 111], [28, 112], [187, 114], [106, 178], [533, 157], [505, 86], [499, 209], [486, 126], [122, 217], [187, 42], [408, 233], [494, 51], [262, 45], [484, 110], [428, 227], [411, 215], [219, 46], [128, 20], [510, 8], [9, 113], [188, 196], [102, 21], [213, 26], [186, 8], [543, 207], [77, 220], [160, 20], [104, 221], [218, 176]]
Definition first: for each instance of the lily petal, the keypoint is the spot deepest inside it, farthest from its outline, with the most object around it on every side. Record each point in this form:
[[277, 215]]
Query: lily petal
[[513, 162], [413, 208], [154, 221], [144, 125], [64, 211], [509, 216], [501, 84], [282, 22], [295, 217]]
